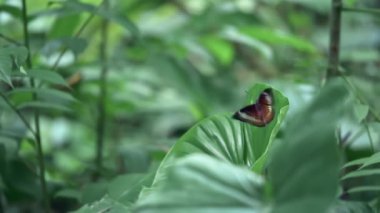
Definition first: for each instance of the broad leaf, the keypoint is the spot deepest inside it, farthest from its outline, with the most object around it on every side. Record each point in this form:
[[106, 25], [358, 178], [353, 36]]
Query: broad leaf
[[231, 140], [199, 183]]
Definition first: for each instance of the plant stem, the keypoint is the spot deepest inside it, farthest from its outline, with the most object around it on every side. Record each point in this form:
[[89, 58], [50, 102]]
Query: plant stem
[[100, 126], [334, 47], [10, 40], [369, 137], [360, 97], [77, 34], [37, 131]]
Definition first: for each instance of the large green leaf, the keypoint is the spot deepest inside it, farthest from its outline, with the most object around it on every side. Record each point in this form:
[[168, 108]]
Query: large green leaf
[[304, 167], [231, 140], [199, 183]]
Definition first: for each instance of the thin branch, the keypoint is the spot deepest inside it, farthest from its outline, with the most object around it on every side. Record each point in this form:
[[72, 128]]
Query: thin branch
[[369, 136], [103, 92], [359, 96], [76, 35], [36, 114], [18, 113], [362, 10], [334, 47], [10, 40]]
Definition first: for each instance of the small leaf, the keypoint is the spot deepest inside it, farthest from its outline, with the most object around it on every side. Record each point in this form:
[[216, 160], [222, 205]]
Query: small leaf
[[19, 54], [126, 188], [364, 189], [374, 159], [48, 76], [233, 34], [5, 65], [273, 36], [77, 45], [361, 111], [356, 162], [364, 193], [43, 106], [45, 94], [64, 26], [93, 191], [22, 70], [361, 173], [104, 205], [69, 193], [222, 50], [10, 145], [12, 10], [351, 207]]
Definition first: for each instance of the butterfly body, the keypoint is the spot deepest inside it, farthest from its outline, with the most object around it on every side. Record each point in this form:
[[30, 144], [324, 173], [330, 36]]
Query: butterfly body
[[260, 113]]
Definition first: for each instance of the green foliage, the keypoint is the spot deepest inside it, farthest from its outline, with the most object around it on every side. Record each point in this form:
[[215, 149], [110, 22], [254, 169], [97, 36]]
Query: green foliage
[[228, 139], [204, 184], [168, 75], [9, 56], [361, 180]]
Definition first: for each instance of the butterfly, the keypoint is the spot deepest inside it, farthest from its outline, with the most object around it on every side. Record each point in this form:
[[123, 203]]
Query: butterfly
[[260, 113]]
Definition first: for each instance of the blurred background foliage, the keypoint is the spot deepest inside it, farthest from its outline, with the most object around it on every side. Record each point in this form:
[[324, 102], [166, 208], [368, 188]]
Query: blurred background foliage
[[171, 63]]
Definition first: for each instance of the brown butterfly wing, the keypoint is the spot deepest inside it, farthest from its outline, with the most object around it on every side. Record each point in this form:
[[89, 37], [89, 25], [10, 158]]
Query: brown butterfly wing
[[266, 97], [260, 113]]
